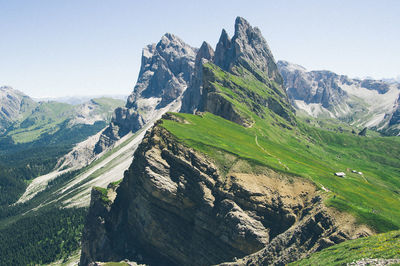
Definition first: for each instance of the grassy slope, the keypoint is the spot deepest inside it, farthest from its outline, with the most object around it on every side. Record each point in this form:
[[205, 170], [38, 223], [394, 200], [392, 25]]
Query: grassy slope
[[385, 246], [308, 152], [44, 119]]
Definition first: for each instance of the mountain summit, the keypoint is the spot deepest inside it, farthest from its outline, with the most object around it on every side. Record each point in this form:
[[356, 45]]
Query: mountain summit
[[164, 75], [248, 49]]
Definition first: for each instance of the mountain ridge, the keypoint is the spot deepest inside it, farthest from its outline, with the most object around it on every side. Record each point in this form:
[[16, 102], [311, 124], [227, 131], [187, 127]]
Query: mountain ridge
[[325, 94]]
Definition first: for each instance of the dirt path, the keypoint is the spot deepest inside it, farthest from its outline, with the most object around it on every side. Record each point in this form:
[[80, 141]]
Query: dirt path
[[269, 154]]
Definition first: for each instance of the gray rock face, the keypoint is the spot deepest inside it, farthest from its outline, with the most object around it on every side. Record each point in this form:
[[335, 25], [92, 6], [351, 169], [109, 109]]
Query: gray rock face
[[192, 97], [378, 85], [165, 73], [364, 103], [13, 104], [248, 49], [314, 86], [395, 119]]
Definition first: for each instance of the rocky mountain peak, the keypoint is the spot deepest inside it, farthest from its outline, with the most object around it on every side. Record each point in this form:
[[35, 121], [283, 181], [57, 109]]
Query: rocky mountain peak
[[287, 66], [248, 48], [165, 73], [205, 51], [222, 49], [191, 101], [169, 59]]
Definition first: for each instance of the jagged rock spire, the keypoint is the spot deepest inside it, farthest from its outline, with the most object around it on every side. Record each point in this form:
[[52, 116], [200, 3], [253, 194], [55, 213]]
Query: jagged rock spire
[[248, 48], [192, 97], [222, 50]]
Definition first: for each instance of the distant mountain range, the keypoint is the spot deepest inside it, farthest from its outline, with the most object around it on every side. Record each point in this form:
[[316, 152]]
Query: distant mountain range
[[24, 119], [80, 99], [362, 103]]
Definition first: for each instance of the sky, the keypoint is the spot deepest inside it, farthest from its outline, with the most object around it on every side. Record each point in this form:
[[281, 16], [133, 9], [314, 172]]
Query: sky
[[54, 48]]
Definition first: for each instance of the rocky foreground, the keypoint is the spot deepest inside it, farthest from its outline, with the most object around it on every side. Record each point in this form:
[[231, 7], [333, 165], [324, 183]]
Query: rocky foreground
[[174, 207]]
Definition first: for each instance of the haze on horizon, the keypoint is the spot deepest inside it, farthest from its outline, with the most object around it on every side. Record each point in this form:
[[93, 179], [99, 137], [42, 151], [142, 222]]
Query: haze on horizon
[[67, 48]]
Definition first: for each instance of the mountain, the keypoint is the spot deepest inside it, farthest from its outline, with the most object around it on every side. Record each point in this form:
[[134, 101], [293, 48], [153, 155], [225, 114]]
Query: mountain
[[235, 178], [37, 119], [14, 106], [35, 135], [238, 175], [34, 178], [63, 187], [324, 94], [164, 75]]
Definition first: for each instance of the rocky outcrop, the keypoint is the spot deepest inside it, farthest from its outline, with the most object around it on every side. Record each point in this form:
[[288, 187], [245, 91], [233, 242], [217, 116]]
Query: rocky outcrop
[[318, 228], [165, 73], [246, 51], [175, 207], [395, 118], [380, 86], [95, 234], [192, 97], [313, 87]]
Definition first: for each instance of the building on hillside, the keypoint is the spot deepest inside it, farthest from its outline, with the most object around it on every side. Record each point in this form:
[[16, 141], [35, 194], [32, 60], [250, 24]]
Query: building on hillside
[[340, 174]]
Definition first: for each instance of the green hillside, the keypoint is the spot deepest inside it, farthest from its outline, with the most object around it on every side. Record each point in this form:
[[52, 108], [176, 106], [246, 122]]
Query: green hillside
[[301, 150], [382, 246]]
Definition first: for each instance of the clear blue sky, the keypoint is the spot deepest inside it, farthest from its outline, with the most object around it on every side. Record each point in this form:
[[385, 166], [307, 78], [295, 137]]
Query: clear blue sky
[[54, 48]]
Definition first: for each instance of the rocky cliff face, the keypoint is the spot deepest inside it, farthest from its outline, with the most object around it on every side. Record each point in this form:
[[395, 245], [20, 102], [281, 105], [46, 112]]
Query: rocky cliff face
[[395, 119], [320, 87], [176, 207], [13, 104], [391, 125], [165, 73], [367, 103], [192, 97]]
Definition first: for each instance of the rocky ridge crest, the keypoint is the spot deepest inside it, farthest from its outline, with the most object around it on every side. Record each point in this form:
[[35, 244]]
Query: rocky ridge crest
[[164, 75]]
